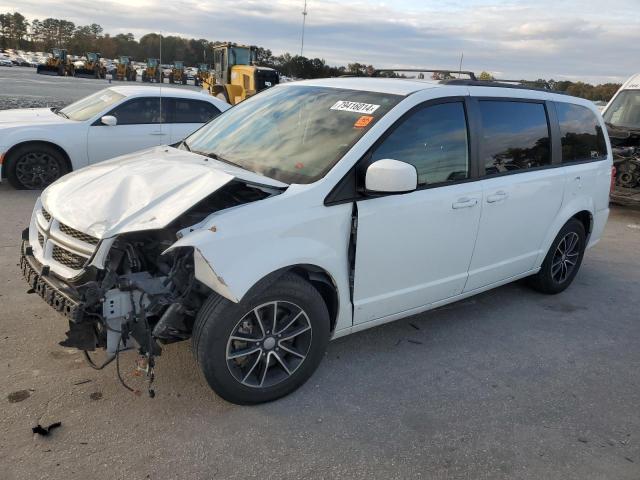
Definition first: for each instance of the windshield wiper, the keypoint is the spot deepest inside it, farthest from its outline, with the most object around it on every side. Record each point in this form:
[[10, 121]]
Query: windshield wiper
[[215, 156], [186, 145], [57, 111]]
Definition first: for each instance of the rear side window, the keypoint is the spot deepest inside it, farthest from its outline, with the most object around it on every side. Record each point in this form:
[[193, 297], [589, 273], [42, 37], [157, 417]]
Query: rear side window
[[515, 136], [140, 111], [434, 140], [193, 111], [581, 135]]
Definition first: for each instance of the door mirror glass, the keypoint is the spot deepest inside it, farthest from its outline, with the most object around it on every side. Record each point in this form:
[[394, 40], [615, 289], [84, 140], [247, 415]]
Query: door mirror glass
[[109, 120], [391, 176]]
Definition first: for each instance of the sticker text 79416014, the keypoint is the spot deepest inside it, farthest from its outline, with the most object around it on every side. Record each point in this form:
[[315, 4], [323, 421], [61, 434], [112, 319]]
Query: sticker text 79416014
[[357, 107]]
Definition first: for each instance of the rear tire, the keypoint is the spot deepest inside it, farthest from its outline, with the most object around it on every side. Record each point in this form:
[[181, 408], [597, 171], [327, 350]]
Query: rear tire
[[280, 355], [35, 166], [563, 259]]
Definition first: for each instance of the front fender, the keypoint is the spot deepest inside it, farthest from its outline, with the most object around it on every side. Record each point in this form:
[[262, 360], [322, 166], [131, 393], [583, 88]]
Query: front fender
[[232, 254]]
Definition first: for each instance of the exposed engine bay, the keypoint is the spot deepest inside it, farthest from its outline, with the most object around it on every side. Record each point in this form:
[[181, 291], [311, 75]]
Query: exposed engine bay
[[626, 158], [144, 296]]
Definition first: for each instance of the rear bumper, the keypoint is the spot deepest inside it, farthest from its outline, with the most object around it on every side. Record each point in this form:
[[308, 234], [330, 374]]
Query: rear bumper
[[63, 298]]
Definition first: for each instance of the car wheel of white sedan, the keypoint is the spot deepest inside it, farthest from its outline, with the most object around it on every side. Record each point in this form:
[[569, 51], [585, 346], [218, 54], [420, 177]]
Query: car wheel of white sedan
[[264, 347], [35, 166]]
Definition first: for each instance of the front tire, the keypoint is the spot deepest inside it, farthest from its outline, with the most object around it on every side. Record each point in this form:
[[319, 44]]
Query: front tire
[[563, 260], [34, 166], [265, 346]]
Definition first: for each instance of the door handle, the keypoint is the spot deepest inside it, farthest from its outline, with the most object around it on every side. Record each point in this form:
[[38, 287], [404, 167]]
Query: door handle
[[158, 133], [497, 197], [465, 202]]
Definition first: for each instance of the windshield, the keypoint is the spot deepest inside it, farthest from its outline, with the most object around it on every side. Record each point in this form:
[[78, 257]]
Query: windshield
[[90, 106], [152, 62], [624, 110], [177, 64], [294, 134], [239, 56]]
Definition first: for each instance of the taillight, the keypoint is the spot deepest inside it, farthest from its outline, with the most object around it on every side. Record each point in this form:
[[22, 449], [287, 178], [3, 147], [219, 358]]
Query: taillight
[[614, 172]]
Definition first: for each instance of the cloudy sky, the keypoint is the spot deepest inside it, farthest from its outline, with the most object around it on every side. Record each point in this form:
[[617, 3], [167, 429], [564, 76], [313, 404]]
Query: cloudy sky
[[588, 40]]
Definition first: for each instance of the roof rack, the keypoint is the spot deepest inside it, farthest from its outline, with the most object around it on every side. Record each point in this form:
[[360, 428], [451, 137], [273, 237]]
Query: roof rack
[[517, 84], [471, 75]]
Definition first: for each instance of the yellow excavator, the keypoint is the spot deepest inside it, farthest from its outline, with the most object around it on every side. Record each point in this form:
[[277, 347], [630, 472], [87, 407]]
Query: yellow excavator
[[177, 74], [58, 63], [92, 67], [234, 76], [125, 70], [152, 73]]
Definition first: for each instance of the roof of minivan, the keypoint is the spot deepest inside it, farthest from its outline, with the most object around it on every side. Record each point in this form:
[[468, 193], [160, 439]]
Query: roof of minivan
[[394, 86], [633, 82], [405, 86]]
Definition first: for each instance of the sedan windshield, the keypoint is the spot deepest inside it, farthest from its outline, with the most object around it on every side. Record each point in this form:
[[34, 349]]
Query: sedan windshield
[[293, 134], [625, 110], [90, 106]]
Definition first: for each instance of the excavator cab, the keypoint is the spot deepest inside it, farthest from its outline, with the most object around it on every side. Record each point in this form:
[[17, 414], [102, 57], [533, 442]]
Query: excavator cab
[[236, 76], [152, 72], [57, 64], [92, 67], [125, 70]]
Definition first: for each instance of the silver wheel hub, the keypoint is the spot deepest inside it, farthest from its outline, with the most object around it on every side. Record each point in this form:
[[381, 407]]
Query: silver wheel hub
[[565, 258], [269, 344]]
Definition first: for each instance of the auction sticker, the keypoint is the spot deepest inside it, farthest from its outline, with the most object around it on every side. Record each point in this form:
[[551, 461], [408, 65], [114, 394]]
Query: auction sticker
[[357, 107], [363, 121]]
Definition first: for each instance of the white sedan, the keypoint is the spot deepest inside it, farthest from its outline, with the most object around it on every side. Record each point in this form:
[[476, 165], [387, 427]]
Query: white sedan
[[39, 145]]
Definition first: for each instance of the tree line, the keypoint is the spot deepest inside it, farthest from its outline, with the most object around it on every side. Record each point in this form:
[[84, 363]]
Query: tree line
[[42, 35]]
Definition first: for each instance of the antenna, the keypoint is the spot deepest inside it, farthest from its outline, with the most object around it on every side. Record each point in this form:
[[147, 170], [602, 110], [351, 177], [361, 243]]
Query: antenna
[[161, 81], [460, 67], [304, 21]]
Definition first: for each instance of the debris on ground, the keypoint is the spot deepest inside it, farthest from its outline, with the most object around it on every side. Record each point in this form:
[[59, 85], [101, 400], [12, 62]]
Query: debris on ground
[[18, 396], [40, 430]]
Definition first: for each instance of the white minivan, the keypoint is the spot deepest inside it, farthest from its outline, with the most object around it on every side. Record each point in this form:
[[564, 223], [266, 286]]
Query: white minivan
[[316, 209]]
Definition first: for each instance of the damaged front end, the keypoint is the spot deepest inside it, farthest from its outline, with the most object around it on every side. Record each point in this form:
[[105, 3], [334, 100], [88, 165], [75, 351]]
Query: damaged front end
[[131, 291]]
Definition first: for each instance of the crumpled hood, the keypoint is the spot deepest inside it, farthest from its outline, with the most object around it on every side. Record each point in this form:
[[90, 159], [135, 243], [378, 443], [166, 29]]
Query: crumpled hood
[[29, 116], [141, 191]]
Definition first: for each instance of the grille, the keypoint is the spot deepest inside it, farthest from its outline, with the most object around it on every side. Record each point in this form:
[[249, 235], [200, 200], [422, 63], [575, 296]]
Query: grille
[[40, 239], [83, 237], [46, 215], [67, 258]]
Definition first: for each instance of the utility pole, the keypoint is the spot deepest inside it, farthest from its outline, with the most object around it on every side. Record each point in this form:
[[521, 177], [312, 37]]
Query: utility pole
[[304, 21]]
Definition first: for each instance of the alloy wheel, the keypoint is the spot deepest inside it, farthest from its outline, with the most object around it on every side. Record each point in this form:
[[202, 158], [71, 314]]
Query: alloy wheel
[[269, 344], [565, 258], [35, 170]]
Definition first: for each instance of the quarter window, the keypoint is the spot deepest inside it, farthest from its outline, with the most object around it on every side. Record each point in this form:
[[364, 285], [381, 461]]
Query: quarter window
[[434, 140], [515, 136], [581, 134], [193, 111], [140, 111]]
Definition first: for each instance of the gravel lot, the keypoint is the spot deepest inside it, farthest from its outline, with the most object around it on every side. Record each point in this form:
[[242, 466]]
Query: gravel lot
[[22, 87], [507, 384]]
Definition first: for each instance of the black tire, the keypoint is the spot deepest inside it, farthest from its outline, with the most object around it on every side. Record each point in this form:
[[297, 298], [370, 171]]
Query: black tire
[[46, 163], [219, 318], [549, 279]]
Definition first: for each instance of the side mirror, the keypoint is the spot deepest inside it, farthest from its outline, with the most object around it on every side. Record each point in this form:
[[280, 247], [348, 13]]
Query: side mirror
[[109, 120], [391, 176]]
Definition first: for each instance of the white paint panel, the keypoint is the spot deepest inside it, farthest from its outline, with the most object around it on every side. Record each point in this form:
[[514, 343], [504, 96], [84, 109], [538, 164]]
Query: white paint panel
[[413, 249], [517, 211]]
